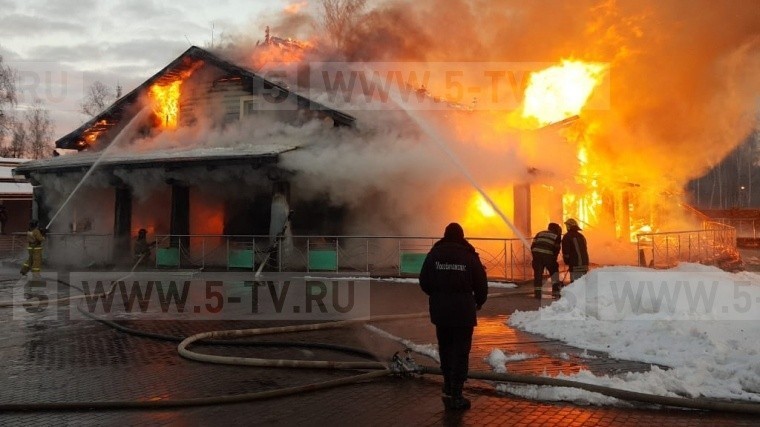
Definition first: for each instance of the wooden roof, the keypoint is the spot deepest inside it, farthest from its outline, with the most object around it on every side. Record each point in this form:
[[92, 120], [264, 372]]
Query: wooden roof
[[112, 116]]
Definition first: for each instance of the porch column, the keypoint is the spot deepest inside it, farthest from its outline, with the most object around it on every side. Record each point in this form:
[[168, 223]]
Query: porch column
[[122, 222], [180, 215], [623, 216], [521, 194], [39, 211]]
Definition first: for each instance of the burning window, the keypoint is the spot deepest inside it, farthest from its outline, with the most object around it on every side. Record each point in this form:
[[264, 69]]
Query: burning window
[[165, 103], [165, 96]]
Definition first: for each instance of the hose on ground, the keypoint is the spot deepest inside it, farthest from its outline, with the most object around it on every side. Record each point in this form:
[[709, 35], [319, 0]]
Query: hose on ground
[[680, 402], [379, 370], [282, 363], [282, 344]]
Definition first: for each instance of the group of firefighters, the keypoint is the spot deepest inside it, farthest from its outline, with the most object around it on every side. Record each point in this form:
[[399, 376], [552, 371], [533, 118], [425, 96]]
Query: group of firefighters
[[546, 247], [36, 236]]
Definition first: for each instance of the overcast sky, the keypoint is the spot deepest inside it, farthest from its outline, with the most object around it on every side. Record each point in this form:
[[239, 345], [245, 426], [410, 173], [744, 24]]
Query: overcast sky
[[62, 46]]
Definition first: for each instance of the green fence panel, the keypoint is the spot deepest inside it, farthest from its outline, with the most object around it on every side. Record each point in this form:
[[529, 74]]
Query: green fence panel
[[411, 262], [167, 257], [323, 259], [240, 258]]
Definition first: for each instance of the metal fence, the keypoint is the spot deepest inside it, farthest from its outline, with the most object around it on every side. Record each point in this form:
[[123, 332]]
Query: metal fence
[[714, 244], [503, 258], [748, 228], [377, 255], [12, 244]]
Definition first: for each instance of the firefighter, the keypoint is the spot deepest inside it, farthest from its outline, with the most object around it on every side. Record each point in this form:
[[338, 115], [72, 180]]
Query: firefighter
[[544, 249], [455, 281], [142, 247], [34, 238], [574, 250]]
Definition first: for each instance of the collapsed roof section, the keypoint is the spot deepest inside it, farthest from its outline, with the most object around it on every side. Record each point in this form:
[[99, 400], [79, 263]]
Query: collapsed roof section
[[112, 117]]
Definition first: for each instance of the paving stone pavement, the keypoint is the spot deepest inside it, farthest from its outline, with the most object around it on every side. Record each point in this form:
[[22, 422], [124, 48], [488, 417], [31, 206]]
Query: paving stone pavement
[[49, 359]]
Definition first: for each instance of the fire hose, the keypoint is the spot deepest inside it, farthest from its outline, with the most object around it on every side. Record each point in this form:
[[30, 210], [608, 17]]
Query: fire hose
[[399, 366]]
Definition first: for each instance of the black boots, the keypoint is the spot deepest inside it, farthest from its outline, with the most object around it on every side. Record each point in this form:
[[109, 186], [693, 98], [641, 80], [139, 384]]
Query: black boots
[[537, 292], [452, 398], [556, 288], [458, 402], [446, 394]]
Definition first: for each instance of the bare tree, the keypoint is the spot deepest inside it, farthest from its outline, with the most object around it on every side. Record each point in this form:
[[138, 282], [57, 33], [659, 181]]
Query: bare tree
[[8, 98], [97, 98], [39, 130], [341, 18], [17, 147]]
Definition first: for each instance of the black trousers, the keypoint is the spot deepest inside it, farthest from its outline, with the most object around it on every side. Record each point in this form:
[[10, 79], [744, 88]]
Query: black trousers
[[577, 271], [454, 343], [541, 262]]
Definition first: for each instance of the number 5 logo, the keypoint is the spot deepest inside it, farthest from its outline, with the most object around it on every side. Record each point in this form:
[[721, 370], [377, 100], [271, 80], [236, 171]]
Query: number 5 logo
[[35, 295]]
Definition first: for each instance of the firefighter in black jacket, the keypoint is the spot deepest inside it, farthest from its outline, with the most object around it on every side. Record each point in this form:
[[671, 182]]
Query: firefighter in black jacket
[[574, 250], [544, 249], [455, 281]]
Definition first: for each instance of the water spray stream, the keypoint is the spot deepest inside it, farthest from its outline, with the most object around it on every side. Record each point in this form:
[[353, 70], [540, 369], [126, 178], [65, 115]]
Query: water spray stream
[[126, 130], [440, 141]]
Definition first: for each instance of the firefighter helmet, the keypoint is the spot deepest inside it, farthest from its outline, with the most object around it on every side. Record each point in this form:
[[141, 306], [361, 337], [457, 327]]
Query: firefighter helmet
[[570, 223]]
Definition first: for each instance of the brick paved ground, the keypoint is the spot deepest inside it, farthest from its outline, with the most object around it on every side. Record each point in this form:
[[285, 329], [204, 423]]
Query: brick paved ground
[[43, 360]]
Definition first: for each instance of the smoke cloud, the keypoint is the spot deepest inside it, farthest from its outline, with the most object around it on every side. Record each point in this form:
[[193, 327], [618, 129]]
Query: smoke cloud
[[682, 79]]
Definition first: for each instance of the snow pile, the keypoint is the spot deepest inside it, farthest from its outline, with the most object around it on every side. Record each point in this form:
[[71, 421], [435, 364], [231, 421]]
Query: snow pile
[[399, 280], [497, 359], [700, 321], [559, 394], [501, 285]]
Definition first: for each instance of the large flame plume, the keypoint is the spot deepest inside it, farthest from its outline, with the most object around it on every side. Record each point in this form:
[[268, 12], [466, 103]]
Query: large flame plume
[[561, 91]]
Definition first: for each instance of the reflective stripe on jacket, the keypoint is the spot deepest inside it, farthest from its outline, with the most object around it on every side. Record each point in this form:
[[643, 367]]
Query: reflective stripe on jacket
[[546, 242]]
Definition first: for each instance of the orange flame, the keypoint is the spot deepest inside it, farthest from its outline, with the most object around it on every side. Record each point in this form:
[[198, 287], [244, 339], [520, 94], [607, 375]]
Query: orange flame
[[561, 91], [92, 134], [480, 219], [165, 99]]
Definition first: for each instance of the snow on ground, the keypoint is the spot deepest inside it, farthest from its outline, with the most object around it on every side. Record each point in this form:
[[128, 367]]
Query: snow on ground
[[497, 359], [501, 285], [559, 394], [399, 280], [429, 350], [413, 280], [700, 321]]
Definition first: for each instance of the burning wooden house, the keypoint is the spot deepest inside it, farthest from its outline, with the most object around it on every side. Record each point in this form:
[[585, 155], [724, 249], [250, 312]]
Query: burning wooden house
[[209, 188], [196, 156]]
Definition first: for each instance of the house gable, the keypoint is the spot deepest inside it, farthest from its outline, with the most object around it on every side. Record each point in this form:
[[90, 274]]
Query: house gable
[[237, 88]]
